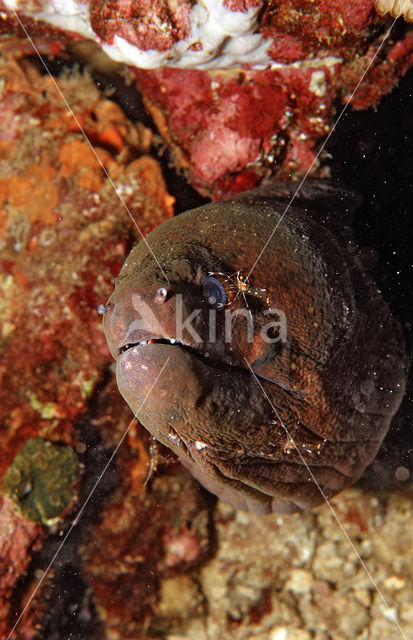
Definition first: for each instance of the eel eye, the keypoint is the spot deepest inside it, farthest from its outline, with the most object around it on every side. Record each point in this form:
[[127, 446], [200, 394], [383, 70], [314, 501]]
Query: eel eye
[[161, 295], [214, 292]]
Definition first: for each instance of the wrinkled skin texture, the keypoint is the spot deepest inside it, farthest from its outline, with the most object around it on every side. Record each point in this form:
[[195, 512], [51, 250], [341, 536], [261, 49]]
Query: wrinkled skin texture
[[330, 385]]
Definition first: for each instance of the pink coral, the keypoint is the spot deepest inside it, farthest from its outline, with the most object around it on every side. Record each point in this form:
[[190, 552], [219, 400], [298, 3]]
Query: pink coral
[[19, 539]]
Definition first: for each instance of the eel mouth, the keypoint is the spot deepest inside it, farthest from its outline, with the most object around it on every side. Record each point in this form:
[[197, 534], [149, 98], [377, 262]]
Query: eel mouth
[[206, 359], [168, 341], [197, 353]]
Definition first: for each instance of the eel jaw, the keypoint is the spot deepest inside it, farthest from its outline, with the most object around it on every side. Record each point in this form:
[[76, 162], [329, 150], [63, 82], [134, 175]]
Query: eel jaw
[[168, 341]]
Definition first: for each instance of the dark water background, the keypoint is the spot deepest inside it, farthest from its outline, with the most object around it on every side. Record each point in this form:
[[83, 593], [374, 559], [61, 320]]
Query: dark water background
[[373, 154]]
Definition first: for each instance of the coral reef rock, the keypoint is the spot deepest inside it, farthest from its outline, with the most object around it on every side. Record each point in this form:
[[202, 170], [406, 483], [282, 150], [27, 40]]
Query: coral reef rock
[[64, 234]]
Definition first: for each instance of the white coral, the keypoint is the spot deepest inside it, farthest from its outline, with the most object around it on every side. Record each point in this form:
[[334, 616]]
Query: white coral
[[396, 8], [227, 37]]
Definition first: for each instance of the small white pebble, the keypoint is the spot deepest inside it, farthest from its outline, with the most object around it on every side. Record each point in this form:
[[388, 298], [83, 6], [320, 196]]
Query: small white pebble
[[300, 581], [394, 582], [279, 634]]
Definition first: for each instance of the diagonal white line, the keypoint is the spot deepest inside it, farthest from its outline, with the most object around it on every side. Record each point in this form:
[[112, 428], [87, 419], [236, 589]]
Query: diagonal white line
[[342, 112], [116, 190], [79, 515], [392, 615]]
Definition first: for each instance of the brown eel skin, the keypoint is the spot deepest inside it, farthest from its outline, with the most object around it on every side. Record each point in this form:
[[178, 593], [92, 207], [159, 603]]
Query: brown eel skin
[[281, 384]]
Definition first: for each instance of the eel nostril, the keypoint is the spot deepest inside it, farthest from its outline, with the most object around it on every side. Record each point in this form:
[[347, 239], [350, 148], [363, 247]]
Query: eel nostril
[[104, 308]]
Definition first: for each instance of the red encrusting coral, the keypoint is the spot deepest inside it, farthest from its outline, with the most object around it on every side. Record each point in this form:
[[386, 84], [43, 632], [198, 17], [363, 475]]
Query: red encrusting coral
[[19, 539], [230, 130], [147, 24], [64, 235]]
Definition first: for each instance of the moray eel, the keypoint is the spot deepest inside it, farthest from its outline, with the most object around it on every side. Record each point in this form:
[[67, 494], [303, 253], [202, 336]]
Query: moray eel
[[280, 383]]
